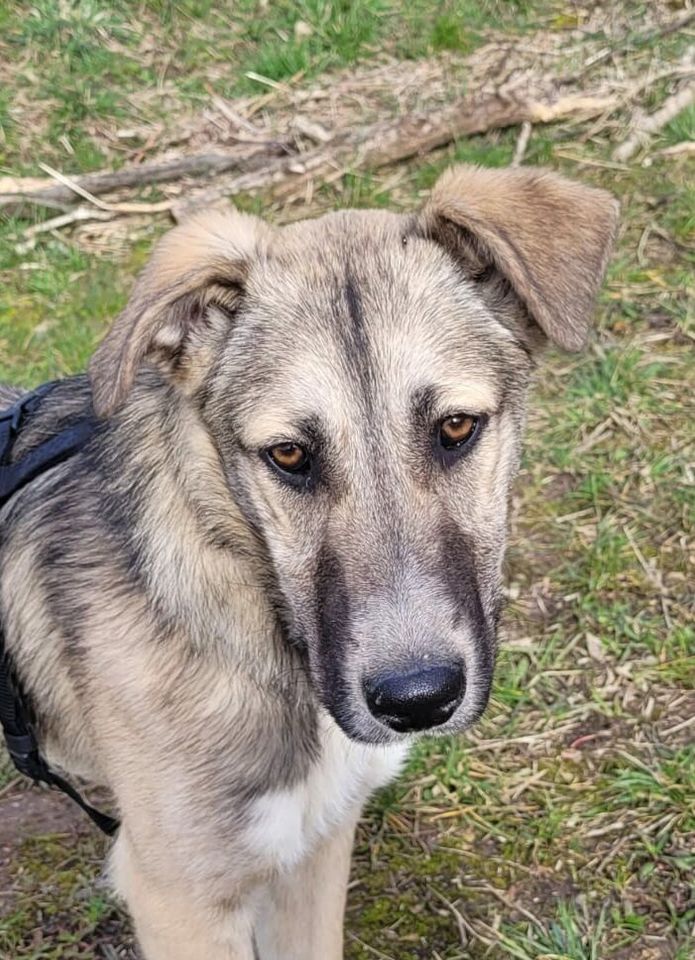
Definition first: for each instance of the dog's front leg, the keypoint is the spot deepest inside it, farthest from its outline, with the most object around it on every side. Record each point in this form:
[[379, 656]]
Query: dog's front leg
[[171, 925], [302, 919]]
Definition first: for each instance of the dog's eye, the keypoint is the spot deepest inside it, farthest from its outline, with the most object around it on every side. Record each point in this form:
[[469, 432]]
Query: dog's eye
[[289, 457], [456, 431]]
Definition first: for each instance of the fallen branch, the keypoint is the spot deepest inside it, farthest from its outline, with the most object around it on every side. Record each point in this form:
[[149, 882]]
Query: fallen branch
[[527, 100], [104, 205], [645, 127], [15, 192], [384, 143]]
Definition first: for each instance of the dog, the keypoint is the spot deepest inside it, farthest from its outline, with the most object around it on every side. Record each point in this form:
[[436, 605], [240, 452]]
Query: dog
[[277, 560]]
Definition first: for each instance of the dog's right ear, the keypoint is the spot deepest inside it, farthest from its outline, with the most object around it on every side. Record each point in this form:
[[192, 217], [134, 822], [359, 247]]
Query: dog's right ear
[[170, 317]]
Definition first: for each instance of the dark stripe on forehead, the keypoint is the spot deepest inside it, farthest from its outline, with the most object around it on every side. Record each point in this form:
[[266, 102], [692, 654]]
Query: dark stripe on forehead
[[353, 330], [353, 298]]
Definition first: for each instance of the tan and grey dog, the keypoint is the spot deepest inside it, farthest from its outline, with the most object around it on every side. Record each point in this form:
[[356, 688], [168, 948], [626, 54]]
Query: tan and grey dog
[[278, 557]]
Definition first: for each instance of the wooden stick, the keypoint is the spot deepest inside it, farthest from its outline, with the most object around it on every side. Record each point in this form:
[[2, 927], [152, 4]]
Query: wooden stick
[[393, 141], [368, 148], [644, 127], [521, 143], [78, 215], [102, 204], [684, 148], [17, 190]]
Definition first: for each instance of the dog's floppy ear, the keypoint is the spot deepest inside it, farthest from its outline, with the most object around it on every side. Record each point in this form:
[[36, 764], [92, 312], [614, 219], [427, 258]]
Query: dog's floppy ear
[[170, 320], [548, 237]]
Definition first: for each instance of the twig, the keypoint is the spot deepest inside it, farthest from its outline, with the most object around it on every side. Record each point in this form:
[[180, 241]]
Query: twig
[[9, 786], [314, 131], [678, 149], [590, 161], [681, 70], [493, 936], [456, 914], [237, 119], [102, 204], [16, 191], [530, 738], [653, 575], [55, 223], [644, 127], [689, 721], [521, 143], [510, 904], [266, 81], [373, 950]]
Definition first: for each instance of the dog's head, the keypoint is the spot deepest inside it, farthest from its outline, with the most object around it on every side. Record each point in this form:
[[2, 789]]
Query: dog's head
[[363, 377]]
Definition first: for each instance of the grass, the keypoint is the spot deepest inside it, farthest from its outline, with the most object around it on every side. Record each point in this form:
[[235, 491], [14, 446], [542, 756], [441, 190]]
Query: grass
[[563, 829], [77, 69]]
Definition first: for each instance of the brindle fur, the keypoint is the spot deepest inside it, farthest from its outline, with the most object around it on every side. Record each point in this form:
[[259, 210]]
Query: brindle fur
[[192, 632]]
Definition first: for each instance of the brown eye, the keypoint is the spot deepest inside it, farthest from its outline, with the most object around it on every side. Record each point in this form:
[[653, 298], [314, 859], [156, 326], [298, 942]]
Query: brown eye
[[457, 430], [289, 457]]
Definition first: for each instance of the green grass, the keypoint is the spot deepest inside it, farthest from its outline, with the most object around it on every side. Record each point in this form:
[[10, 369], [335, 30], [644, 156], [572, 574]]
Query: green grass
[[681, 127], [562, 829], [80, 66], [309, 36]]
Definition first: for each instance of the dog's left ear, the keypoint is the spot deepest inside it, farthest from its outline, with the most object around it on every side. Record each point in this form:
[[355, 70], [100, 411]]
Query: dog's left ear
[[181, 305], [548, 237]]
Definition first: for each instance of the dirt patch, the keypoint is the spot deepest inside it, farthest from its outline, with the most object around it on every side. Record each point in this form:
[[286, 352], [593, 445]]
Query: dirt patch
[[533, 893], [52, 889], [27, 812], [657, 951]]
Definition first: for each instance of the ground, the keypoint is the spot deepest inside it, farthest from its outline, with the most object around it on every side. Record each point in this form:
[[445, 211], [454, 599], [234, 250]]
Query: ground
[[563, 827]]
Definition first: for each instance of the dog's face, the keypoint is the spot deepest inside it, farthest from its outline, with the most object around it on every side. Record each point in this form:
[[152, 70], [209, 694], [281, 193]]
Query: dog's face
[[363, 377], [369, 405]]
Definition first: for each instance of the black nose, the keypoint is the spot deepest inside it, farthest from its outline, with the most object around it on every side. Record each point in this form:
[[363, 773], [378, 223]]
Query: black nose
[[420, 698]]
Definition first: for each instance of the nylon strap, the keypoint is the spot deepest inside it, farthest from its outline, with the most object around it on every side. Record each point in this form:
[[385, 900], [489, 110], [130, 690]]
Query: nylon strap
[[15, 714]]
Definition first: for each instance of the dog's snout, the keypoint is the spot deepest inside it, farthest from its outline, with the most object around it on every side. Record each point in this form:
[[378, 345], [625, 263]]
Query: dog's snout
[[419, 698]]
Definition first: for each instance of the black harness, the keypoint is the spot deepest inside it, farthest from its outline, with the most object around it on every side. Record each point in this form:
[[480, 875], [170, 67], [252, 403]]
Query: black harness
[[15, 713]]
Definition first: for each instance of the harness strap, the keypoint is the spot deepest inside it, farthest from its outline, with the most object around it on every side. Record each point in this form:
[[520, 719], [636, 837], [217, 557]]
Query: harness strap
[[15, 714], [24, 750], [14, 476]]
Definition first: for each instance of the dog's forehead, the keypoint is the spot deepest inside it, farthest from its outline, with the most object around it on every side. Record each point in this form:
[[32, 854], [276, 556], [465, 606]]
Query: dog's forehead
[[365, 271], [355, 307], [341, 230]]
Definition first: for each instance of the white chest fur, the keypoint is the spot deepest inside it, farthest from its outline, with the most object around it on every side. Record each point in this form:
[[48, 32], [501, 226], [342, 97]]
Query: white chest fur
[[286, 824]]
